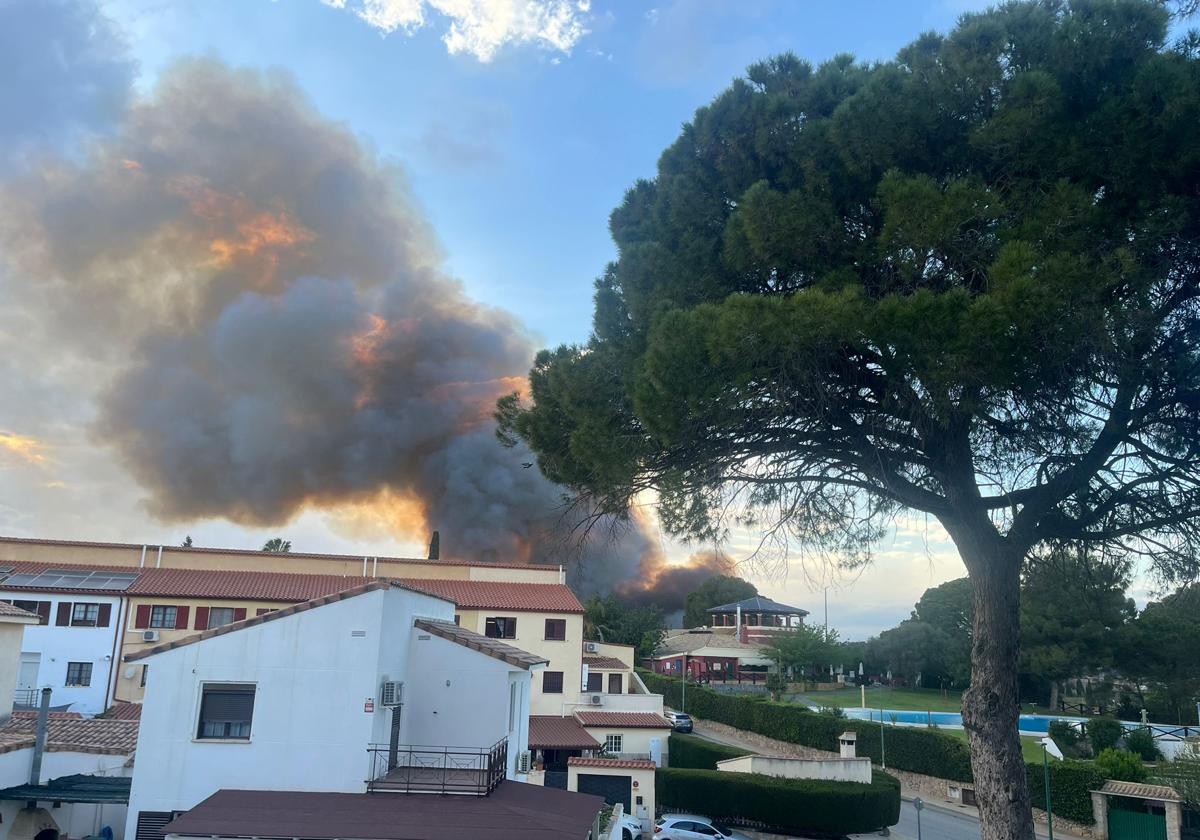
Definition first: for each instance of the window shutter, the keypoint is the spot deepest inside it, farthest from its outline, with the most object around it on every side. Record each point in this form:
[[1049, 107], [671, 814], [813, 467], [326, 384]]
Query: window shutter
[[64, 614], [43, 611], [141, 619], [201, 618], [239, 614], [181, 618], [104, 615]]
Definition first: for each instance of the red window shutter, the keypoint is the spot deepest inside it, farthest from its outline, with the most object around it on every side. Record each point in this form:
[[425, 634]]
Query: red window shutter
[[64, 614], [239, 614], [201, 618], [141, 619], [43, 611], [181, 618], [104, 615]]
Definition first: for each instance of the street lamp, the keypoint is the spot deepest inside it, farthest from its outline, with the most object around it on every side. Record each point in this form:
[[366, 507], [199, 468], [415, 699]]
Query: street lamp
[[1049, 748], [918, 804]]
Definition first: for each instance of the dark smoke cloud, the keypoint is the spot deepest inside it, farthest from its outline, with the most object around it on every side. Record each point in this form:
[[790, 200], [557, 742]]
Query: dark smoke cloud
[[63, 71], [276, 332], [667, 586]]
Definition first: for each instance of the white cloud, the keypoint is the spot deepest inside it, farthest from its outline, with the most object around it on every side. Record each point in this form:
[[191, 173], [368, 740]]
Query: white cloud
[[480, 27]]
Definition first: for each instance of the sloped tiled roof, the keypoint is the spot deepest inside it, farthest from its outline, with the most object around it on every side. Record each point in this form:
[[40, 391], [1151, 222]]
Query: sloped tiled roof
[[9, 611], [122, 710], [247, 586], [495, 595], [32, 713], [94, 735], [609, 663], [686, 642], [612, 763], [759, 604], [624, 720], [551, 732], [1141, 791], [494, 648]]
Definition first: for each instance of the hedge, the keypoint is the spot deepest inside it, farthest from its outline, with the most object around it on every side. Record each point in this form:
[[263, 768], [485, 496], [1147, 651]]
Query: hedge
[[925, 751], [688, 751], [915, 749], [790, 805]]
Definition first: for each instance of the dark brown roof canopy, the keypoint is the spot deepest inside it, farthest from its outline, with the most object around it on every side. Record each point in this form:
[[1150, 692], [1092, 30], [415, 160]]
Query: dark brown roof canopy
[[514, 811]]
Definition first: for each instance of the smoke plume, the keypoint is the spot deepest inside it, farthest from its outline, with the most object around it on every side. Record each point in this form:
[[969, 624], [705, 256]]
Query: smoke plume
[[277, 331]]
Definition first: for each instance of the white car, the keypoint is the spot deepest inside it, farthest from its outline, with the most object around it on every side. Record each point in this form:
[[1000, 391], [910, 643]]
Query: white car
[[631, 827], [691, 827]]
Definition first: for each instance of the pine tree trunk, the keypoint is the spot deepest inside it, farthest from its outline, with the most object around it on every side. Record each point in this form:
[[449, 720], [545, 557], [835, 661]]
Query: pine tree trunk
[[990, 707], [1054, 695]]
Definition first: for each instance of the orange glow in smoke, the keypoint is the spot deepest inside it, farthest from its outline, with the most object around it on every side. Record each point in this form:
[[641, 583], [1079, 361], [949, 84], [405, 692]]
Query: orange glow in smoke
[[386, 515], [22, 447]]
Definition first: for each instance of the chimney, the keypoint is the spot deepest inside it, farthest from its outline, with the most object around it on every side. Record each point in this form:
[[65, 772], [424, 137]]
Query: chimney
[[846, 741], [435, 546], [39, 744]]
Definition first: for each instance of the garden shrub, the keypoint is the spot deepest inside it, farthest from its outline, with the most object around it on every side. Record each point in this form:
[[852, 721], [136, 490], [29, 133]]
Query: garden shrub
[[1120, 765], [1104, 734], [789, 805], [1071, 783], [690, 752], [1141, 742]]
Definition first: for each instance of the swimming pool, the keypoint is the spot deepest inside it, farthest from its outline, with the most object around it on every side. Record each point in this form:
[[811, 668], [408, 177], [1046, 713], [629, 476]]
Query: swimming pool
[[1037, 724]]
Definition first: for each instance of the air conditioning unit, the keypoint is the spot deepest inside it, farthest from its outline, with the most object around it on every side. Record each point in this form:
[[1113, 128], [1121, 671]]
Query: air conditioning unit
[[596, 699], [391, 693], [591, 647], [149, 635], [523, 761]]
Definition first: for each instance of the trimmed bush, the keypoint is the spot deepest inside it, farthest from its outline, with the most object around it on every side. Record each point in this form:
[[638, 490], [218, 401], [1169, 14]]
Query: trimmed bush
[[690, 752], [1070, 786], [1120, 765], [1104, 733], [789, 805], [1141, 742], [917, 750]]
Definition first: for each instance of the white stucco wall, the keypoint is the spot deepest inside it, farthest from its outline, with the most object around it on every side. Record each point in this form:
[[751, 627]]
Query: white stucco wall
[[635, 741], [78, 819], [57, 646], [11, 634], [829, 769], [644, 812]]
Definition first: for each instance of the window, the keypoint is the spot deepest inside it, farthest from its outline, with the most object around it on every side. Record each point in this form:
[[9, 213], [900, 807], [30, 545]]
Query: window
[[42, 608], [595, 682], [79, 673], [615, 685], [145, 668], [85, 615], [264, 610], [220, 615], [226, 712], [552, 682], [613, 743], [500, 628], [556, 629], [163, 617], [457, 619]]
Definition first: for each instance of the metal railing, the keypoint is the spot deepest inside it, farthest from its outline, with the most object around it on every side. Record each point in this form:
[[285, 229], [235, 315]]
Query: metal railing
[[473, 771], [27, 697]]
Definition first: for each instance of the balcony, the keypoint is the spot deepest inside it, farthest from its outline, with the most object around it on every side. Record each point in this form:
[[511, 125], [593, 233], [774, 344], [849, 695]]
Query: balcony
[[469, 771], [27, 698]]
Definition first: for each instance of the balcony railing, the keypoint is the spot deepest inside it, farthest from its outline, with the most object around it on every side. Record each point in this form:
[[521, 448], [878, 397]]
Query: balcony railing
[[28, 697], [472, 771]]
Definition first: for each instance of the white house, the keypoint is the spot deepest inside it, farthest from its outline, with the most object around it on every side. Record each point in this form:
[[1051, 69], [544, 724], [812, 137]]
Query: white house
[[374, 689], [73, 647]]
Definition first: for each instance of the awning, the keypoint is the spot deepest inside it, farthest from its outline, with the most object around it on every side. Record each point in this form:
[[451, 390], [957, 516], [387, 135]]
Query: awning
[[550, 732], [77, 788]]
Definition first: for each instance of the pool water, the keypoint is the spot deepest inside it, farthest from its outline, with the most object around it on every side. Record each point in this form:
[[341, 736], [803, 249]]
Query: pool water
[[1039, 724]]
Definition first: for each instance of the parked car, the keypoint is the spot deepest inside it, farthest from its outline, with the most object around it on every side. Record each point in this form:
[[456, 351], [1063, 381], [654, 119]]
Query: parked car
[[691, 827], [680, 721], [631, 827]]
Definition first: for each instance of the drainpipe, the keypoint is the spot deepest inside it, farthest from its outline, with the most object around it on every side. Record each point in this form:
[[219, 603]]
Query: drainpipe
[[364, 574], [39, 744], [158, 562], [142, 562], [374, 567]]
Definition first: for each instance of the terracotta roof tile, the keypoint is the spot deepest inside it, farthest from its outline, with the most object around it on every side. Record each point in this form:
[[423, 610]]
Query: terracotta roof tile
[[32, 714], [9, 611], [614, 763], [94, 735], [624, 720], [494, 648], [122, 710], [1142, 791], [248, 586], [494, 595], [610, 663], [550, 732]]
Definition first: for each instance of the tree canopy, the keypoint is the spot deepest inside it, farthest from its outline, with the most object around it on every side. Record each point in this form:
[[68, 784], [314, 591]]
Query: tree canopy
[[717, 590], [963, 282], [277, 545], [803, 648], [609, 619]]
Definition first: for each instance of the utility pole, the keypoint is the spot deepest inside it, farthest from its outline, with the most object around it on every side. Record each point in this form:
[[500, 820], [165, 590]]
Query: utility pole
[[826, 612]]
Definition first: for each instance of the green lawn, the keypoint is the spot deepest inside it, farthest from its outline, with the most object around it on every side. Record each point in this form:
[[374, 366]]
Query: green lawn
[[1031, 749], [905, 699]]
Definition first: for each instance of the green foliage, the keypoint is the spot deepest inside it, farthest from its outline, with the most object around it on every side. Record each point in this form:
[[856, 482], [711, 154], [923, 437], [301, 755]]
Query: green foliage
[[609, 619], [1070, 786], [777, 683], [1159, 648], [1104, 734], [1121, 765], [717, 590], [689, 751], [1183, 773], [1068, 738], [791, 805], [802, 648], [915, 649], [277, 545], [1141, 743]]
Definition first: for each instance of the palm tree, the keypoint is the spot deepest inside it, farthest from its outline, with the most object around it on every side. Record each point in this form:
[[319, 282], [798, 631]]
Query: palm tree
[[277, 545]]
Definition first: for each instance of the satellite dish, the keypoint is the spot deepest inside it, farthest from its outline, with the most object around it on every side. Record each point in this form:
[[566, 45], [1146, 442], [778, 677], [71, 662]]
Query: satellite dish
[[130, 671]]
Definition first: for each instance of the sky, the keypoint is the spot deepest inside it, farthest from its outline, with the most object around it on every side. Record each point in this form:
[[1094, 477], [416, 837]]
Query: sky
[[480, 146]]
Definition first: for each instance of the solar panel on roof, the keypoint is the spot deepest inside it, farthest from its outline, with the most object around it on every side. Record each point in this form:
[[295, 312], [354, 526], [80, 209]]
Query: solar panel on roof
[[73, 579]]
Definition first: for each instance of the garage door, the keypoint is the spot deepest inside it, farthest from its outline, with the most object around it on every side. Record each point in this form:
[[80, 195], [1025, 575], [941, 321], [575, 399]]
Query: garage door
[[614, 789]]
